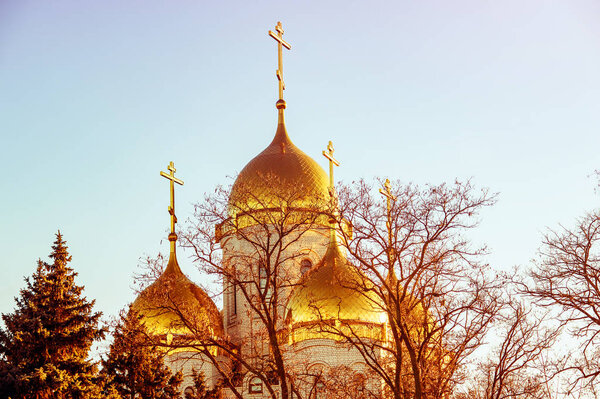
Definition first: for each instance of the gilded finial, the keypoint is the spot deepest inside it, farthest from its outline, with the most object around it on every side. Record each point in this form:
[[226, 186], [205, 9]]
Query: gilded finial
[[332, 161], [279, 73], [172, 180], [387, 193]]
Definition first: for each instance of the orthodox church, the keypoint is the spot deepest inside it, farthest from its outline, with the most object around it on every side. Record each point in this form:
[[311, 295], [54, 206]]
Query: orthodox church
[[295, 267]]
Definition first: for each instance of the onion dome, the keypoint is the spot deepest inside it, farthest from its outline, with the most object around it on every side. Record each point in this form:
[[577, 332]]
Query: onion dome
[[333, 293], [174, 307], [281, 173]]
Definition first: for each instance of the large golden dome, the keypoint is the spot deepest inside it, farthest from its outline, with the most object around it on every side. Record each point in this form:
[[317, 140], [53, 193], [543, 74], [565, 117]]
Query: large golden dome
[[333, 291], [172, 293], [279, 173]]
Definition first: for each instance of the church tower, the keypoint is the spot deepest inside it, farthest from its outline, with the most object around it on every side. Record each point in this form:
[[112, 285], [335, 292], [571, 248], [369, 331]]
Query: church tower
[[282, 260], [287, 284], [178, 314], [281, 182], [277, 230]]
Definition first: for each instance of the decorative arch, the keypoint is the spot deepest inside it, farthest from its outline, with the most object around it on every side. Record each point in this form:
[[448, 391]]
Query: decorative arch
[[317, 379], [306, 254], [255, 385]]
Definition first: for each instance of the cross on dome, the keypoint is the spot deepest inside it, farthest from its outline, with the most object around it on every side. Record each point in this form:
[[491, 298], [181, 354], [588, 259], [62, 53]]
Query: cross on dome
[[280, 44], [172, 179], [332, 161], [387, 193]]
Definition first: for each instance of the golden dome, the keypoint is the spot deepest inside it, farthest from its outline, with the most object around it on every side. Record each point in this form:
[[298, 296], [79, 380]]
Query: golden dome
[[332, 291], [281, 172], [174, 293]]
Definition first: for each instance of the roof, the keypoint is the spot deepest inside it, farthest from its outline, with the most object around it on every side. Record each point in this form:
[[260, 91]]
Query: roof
[[333, 290], [174, 306], [281, 173]]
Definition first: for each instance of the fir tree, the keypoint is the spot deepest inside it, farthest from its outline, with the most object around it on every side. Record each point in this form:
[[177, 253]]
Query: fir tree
[[134, 367], [45, 343], [201, 390]]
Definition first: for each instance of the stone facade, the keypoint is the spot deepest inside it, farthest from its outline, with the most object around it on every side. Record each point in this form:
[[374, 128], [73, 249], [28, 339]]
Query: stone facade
[[278, 237], [315, 358]]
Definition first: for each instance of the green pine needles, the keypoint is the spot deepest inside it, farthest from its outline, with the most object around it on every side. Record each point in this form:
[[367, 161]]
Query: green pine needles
[[134, 367], [45, 343]]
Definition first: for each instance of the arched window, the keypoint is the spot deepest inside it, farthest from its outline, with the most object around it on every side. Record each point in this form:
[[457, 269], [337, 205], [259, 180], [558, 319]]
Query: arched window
[[263, 280], [188, 391], [255, 385], [262, 276], [318, 388], [305, 266], [234, 307], [318, 373]]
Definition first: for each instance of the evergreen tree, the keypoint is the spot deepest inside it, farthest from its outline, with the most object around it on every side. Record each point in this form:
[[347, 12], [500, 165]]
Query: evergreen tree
[[201, 390], [45, 343], [134, 366]]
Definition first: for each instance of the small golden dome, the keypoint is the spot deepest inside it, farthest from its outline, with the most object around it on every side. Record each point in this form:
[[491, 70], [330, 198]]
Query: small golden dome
[[173, 293], [333, 291], [280, 172]]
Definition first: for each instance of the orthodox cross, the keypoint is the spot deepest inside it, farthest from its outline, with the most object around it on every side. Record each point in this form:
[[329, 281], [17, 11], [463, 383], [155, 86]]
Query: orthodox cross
[[387, 193], [280, 43], [172, 179], [332, 161]]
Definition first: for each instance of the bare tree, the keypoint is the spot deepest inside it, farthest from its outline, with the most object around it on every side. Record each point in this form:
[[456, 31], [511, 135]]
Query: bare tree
[[252, 251], [416, 266], [340, 382], [440, 300], [518, 366], [149, 269], [566, 280]]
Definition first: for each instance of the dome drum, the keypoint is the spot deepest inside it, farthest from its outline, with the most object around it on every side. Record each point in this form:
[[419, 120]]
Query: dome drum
[[312, 218]]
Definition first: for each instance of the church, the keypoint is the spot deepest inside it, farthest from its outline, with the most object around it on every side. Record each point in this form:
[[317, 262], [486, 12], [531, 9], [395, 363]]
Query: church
[[289, 294]]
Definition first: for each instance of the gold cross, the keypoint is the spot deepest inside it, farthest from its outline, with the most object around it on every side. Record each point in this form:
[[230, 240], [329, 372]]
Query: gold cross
[[332, 161], [173, 179], [387, 193], [280, 42]]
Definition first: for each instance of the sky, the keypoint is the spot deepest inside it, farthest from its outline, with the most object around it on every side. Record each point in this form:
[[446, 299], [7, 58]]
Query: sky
[[97, 97]]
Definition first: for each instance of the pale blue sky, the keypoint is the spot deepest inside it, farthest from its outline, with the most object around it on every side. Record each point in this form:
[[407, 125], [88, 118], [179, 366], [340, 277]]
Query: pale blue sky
[[97, 97]]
